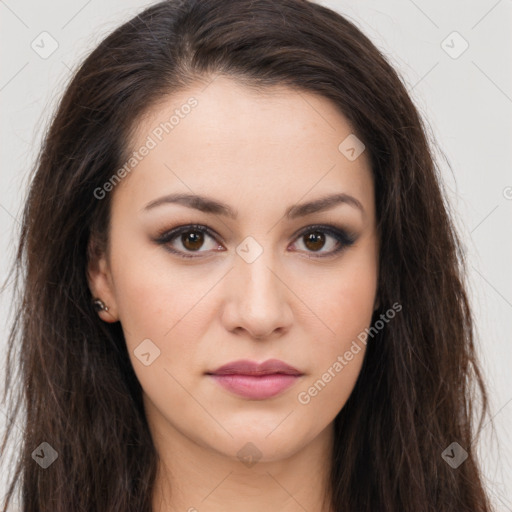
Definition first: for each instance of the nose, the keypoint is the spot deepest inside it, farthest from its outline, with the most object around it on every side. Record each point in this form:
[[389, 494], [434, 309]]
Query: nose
[[258, 299]]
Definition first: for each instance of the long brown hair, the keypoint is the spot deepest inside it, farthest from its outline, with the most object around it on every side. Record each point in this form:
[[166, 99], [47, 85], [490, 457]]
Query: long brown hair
[[70, 372]]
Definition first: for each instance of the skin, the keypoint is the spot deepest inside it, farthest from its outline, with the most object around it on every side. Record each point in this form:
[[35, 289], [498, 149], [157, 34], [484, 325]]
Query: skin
[[258, 152]]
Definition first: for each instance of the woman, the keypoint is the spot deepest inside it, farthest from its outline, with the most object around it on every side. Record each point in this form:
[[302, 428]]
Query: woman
[[241, 286]]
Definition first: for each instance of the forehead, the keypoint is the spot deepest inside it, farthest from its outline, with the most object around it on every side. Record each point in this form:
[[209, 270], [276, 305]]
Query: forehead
[[224, 111], [228, 140]]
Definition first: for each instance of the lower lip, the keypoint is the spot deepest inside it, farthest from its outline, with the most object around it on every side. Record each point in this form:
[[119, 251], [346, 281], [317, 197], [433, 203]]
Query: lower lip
[[256, 387]]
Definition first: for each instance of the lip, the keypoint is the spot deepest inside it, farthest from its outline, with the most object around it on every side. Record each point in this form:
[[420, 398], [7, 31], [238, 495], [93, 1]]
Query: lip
[[247, 367], [256, 381]]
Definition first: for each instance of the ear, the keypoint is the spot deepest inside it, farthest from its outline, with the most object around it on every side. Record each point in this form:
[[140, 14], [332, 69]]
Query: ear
[[100, 281]]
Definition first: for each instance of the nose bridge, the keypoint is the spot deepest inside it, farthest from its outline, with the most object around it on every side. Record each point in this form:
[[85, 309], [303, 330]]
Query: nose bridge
[[253, 268], [258, 297]]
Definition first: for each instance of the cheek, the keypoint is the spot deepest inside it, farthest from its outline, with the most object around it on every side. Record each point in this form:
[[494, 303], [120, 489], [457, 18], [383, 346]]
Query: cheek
[[344, 298], [345, 306], [144, 308], [338, 354], [168, 306], [161, 321], [152, 296], [322, 397]]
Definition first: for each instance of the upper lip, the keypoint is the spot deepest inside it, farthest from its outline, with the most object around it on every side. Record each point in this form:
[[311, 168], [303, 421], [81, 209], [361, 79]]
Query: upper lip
[[247, 367]]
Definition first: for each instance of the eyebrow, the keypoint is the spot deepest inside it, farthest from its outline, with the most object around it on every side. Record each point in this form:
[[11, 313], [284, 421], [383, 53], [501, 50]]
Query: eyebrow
[[208, 205]]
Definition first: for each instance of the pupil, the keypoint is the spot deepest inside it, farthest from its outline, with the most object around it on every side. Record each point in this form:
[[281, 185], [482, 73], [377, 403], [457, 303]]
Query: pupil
[[314, 238]]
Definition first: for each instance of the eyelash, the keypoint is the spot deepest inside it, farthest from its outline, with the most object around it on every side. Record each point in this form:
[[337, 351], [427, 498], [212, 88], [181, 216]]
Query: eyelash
[[343, 238]]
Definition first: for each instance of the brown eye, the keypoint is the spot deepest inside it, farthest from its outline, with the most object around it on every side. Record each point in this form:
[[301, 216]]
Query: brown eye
[[186, 240], [192, 240], [325, 240], [314, 241]]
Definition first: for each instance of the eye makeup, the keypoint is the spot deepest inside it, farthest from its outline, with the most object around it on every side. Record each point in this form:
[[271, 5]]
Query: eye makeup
[[343, 239]]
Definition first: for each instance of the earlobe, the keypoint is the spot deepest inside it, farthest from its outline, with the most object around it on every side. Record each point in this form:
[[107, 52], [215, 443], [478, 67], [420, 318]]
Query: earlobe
[[101, 307]]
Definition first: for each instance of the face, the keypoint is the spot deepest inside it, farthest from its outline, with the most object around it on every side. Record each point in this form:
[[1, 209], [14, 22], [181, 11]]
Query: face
[[251, 273]]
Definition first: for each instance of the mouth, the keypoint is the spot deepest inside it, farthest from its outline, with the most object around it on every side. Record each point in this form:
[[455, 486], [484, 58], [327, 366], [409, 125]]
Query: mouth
[[256, 381]]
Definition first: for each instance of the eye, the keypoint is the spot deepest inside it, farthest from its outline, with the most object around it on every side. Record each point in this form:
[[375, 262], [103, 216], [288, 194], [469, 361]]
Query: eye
[[316, 238], [191, 238]]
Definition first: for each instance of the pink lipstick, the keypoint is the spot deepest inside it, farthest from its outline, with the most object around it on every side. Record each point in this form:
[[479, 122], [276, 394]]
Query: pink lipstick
[[256, 381]]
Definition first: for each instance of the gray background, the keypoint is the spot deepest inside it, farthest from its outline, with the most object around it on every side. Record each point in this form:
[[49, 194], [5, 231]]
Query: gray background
[[466, 99]]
